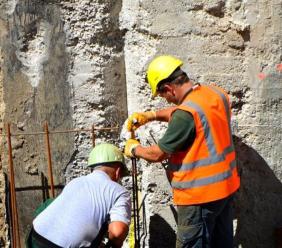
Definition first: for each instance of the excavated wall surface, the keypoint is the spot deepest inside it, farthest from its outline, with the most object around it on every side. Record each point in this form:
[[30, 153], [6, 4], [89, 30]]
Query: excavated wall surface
[[82, 62]]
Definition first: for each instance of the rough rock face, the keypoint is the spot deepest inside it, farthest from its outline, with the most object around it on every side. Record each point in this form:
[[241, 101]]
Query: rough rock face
[[97, 73], [35, 68], [82, 62]]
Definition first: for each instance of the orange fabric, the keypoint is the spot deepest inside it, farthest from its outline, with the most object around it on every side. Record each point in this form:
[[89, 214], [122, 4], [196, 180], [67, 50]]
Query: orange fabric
[[211, 192], [209, 104], [201, 172]]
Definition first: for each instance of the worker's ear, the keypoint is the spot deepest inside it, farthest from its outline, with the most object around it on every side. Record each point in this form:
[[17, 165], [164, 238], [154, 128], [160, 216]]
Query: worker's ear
[[118, 174], [172, 88]]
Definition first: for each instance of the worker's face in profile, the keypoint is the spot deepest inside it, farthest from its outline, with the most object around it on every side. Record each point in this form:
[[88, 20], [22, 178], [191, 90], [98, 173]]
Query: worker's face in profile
[[168, 93]]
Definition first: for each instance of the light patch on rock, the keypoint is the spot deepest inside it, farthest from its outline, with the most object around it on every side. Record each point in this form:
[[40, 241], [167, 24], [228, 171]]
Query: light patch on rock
[[36, 54], [136, 66], [82, 71], [11, 5]]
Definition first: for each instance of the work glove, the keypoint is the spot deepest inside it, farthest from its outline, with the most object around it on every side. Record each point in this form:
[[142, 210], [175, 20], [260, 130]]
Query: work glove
[[138, 119], [129, 146]]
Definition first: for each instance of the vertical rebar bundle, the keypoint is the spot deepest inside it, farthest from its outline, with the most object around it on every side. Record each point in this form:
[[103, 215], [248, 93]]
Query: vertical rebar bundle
[[136, 218], [135, 200], [15, 235], [15, 223]]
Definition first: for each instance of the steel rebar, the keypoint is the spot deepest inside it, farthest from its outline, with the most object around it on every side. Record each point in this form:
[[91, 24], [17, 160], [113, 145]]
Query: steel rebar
[[136, 203], [50, 169], [135, 199], [66, 131], [15, 223], [93, 135]]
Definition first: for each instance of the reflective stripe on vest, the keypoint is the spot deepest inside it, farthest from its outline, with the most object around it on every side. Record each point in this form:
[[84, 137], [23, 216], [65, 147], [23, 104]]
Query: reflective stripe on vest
[[226, 106], [206, 180], [213, 158]]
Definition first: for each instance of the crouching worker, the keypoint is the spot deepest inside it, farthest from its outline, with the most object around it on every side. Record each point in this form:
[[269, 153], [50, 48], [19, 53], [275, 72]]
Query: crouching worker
[[88, 207]]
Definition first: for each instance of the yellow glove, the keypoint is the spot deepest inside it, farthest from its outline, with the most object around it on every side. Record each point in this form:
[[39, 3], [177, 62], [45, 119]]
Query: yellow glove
[[129, 146], [138, 119]]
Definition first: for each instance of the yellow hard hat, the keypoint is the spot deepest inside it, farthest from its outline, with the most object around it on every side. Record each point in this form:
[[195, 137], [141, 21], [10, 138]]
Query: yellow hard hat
[[161, 68]]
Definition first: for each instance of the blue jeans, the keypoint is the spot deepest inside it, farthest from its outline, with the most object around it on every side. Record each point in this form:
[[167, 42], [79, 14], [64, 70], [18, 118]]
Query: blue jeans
[[208, 225]]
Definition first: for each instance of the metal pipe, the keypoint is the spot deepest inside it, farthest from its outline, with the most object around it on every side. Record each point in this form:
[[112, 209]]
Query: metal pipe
[[50, 170], [93, 135], [15, 222]]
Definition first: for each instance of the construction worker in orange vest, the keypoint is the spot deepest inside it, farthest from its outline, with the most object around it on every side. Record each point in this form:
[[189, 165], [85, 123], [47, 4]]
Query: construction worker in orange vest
[[198, 145]]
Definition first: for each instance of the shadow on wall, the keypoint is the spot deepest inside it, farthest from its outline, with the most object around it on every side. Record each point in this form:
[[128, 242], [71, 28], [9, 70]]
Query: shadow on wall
[[258, 204], [161, 233]]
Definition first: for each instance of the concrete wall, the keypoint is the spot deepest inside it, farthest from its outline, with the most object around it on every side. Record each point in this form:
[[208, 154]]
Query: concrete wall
[[238, 46], [78, 63]]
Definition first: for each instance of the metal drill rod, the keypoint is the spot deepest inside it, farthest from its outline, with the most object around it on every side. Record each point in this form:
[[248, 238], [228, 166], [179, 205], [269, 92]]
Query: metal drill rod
[[135, 199], [165, 162], [136, 217], [152, 136], [134, 204]]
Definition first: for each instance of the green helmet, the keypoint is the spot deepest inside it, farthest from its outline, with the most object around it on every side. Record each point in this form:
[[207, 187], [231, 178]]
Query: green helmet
[[104, 154]]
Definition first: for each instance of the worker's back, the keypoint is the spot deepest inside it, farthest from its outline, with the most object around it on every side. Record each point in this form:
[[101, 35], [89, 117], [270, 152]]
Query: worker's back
[[77, 214]]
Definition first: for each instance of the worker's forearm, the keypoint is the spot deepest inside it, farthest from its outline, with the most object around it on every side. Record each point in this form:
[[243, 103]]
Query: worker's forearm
[[164, 114], [150, 153]]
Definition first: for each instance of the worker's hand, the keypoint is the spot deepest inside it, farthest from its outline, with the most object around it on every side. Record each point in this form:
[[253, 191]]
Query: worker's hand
[[129, 146], [138, 119]]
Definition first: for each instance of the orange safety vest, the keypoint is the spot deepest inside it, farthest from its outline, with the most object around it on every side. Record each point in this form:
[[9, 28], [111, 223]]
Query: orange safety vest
[[206, 171]]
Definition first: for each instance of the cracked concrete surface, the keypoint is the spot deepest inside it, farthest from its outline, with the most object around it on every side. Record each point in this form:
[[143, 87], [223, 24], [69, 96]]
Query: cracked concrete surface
[[78, 63]]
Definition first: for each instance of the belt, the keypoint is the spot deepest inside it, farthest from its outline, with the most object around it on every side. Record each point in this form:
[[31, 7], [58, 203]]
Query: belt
[[41, 242]]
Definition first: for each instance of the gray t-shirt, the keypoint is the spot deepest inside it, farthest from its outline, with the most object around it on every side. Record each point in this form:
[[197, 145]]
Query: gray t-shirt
[[77, 214]]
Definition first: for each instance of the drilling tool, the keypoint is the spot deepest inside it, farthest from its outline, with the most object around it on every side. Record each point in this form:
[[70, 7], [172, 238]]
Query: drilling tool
[[135, 200]]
